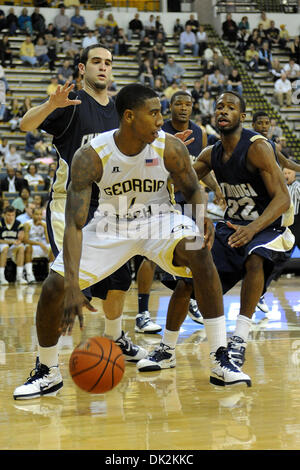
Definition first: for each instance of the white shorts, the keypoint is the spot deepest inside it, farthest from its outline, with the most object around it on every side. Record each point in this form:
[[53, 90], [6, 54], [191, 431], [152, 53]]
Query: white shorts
[[38, 252], [12, 251], [106, 246]]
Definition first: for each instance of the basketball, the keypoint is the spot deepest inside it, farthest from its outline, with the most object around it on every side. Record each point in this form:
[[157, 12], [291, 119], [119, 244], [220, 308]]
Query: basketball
[[97, 365]]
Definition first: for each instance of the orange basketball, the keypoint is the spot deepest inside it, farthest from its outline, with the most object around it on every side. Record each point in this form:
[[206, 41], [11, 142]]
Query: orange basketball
[[97, 365]]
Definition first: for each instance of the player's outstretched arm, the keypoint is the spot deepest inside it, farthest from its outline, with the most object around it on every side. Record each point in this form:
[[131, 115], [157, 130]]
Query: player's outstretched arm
[[36, 115], [286, 162], [86, 168]]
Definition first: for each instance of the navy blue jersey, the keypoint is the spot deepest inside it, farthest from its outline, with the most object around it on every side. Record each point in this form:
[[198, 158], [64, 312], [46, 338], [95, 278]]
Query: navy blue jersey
[[194, 148], [10, 233], [245, 192], [74, 126]]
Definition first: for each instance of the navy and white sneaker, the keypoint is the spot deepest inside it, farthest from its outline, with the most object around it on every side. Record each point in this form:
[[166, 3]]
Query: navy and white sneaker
[[224, 371], [194, 313], [237, 350], [144, 324], [262, 305], [131, 352], [43, 381], [163, 357]]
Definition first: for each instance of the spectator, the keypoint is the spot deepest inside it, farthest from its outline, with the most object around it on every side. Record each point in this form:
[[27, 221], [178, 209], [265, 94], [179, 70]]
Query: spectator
[[159, 88], [91, 38], [229, 28], [157, 71], [287, 151], [145, 73], [242, 41], [107, 39], [196, 93], [177, 29], [11, 183], [255, 39], [159, 28], [26, 105], [41, 52], [40, 203], [272, 34], [210, 51], [62, 22], [295, 50], [121, 47], [225, 68], [11, 246], [172, 71], [27, 52], [170, 90], [111, 22], [234, 82], [216, 82], [244, 24], [24, 22], [65, 72], [206, 105], [48, 180], [276, 69], [38, 21], [188, 40], [252, 58], [101, 22], [22, 200], [2, 100], [283, 90], [51, 30], [13, 158], [5, 51], [193, 22], [292, 70], [265, 56], [262, 34], [284, 36], [145, 48], [160, 39], [159, 53], [12, 22], [4, 146], [52, 87], [3, 23], [15, 112], [53, 49], [136, 27], [202, 39], [294, 190], [264, 21], [78, 23], [32, 176], [34, 144], [27, 214], [150, 27], [3, 78], [68, 47]]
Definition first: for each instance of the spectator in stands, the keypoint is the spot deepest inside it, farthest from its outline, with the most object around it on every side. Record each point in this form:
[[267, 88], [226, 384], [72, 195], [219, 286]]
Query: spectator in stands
[[35, 145], [100, 22], [48, 180], [41, 52], [78, 23], [27, 214], [145, 73], [38, 21], [61, 22], [160, 39], [15, 114], [159, 88], [234, 82], [216, 82], [244, 24], [157, 70], [210, 51], [276, 69], [91, 38], [283, 146], [36, 242], [193, 22], [4, 146], [108, 39], [27, 52], [22, 200], [51, 30], [295, 49], [150, 27], [252, 58], [145, 48], [53, 48], [292, 70], [170, 90], [159, 53], [284, 36], [5, 51], [202, 39], [136, 27], [264, 21], [159, 29], [294, 190], [26, 105], [65, 72], [272, 34], [121, 43], [188, 40], [255, 39], [173, 71], [283, 90], [196, 93], [225, 67], [207, 105], [11, 246], [229, 28], [68, 47], [3, 23], [11, 183], [2, 100], [242, 38], [13, 158], [40, 203], [52, 87], [12, 22], [262, 34], [265, 56], [32, 176], [177, 29], [3, 78], [24, 22]]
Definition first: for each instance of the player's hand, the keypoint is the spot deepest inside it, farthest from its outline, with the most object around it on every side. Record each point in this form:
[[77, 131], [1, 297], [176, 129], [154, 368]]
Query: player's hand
[[219, 199], [74, 301], [59, 99], [184, 135], [243, 234], [209, 232]]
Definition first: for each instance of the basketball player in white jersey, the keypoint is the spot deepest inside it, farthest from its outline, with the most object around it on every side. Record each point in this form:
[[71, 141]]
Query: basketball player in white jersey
[[131, 166]]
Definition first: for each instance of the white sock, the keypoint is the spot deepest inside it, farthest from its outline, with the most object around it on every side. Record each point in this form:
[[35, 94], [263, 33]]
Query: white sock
[[48, 356], [113, 328], [28, 269], [2, 273], [20, 272], [242, 327], [170, 338], [215, 329]]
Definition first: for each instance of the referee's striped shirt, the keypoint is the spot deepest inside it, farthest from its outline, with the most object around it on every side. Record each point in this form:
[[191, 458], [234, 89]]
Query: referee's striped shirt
[[294, 190]]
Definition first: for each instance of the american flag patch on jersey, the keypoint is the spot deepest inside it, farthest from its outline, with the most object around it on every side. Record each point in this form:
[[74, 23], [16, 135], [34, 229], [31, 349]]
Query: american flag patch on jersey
[[151, 161]]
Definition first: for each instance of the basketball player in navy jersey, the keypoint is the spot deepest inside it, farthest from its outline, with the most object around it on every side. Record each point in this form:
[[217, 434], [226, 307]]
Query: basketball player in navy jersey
[[181, 106], [144, 224], [254, 236], [74, 118]]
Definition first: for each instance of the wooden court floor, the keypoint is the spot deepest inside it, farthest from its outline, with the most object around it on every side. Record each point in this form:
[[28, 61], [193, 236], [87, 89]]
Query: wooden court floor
[[171, 409]]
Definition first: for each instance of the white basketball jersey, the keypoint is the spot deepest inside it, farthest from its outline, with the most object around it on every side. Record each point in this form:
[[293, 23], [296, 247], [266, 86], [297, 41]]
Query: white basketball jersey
[[36, 232], [133, 186]]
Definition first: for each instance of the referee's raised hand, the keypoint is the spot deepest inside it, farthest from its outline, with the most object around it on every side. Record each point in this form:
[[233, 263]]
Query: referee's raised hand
[[60, 98]]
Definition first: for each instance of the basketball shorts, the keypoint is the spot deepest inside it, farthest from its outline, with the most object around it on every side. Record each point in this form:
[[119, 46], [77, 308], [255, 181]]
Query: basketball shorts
[[12, 251], [55, 218], [38, 252], [275, 245], [107, 245]]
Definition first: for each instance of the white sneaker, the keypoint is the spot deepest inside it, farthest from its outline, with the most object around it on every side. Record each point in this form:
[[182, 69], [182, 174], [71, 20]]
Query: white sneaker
[[3, 282], [163, 357], [224, 371], [30, 278], [132, 352], [42, 381], [21, 281], [144, 324], [262, 305], [194, 313]]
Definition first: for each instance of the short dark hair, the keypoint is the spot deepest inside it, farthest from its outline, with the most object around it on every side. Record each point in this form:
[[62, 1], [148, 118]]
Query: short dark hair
[[85, 53], [259, 114], [180, 93], [242, 101], [9, 209], [133, 96]]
